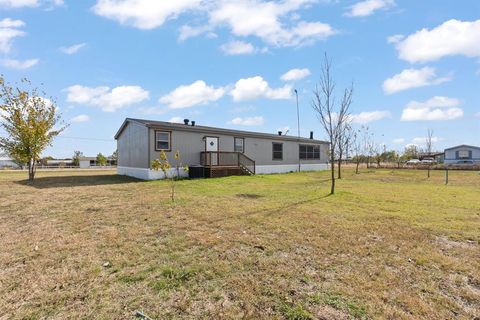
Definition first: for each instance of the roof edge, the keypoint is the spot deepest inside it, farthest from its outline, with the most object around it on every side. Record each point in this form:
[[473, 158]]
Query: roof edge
[[199, 128], [463, 145], [124, 124]]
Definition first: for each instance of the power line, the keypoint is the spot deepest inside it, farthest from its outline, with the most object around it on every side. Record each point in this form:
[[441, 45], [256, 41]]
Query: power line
[[81, 138], [77, 138]]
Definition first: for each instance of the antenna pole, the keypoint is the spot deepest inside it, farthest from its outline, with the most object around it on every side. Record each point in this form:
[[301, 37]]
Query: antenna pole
[[298, 128]]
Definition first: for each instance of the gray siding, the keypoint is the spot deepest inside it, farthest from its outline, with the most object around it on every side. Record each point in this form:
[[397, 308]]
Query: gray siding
[[451, 155], [132, 145], [191, 144]]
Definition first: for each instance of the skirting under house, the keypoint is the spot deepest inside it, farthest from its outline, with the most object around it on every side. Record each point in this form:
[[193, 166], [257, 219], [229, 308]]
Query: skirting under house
[[149, 174]]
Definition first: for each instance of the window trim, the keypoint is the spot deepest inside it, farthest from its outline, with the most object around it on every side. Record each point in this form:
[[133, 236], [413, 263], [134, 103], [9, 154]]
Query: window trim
[[313, 152], [169, 140], [273, 151], [235, 144]]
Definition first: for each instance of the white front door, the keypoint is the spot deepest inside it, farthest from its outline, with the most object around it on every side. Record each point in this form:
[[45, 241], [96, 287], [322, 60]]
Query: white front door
[[212, 146]]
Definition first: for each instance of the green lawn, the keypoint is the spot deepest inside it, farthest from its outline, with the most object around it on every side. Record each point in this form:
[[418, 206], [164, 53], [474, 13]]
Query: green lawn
[[388, 244]]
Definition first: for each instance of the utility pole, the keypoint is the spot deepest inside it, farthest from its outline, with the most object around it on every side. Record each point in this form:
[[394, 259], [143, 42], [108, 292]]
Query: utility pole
[[298, 128]]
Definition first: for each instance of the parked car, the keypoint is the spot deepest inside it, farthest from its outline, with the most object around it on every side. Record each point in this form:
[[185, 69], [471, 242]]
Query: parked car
[[466, 162], [413, 161], [428, 160]]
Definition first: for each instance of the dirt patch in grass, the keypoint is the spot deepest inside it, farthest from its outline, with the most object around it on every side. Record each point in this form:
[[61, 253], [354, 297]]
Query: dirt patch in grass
[[249, 195], [389, 244]]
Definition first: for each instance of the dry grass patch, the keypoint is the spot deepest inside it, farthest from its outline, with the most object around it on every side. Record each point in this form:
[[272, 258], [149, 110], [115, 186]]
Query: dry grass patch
[[389, 244]]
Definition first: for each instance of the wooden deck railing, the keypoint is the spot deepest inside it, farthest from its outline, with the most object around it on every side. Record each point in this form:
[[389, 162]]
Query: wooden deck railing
[[227, 159]]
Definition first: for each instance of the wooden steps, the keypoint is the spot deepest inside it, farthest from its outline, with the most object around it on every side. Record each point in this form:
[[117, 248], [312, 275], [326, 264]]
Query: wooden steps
[[225, 171]]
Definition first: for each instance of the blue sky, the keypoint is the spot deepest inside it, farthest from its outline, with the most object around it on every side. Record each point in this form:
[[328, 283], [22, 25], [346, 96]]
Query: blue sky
[[415, 64]]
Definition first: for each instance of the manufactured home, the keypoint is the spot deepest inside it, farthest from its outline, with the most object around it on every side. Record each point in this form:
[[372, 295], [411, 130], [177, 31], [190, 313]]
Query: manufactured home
[[7, 162], [213, 152], [91, 162], [463, 154]]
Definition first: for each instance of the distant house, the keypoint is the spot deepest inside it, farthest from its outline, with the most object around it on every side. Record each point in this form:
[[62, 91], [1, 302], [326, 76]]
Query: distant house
[[463, 154], [91, 162], [7, 163], [436, 156], [59, 163], [211, 152]]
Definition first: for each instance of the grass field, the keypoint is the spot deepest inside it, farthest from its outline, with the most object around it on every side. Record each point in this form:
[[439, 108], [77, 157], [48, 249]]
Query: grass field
[[389, 244]]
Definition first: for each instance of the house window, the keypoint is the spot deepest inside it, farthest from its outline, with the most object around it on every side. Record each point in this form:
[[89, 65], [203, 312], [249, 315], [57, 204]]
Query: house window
[[162, 140], [239, 145], [308, 152], [464, 154], [277, 151]]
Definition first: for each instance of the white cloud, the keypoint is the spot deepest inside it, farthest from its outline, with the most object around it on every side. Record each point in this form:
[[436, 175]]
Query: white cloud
[[19, 64], [107, 99], [413, 78], [395, 38], [9, 30], [295, 74], [265, 21], [249, 121], [436, 108], [29, 3], [398, 141], [72, 49], [187, 31], [152, 110], [368, 7], [366, 117], [242, 109], [176, 120], [10, 23], [257, 87], [143, 14], [18, 3], [451, 38], [270, 21], [238, 48], [197, 93], [80, 118], [437, 101], [423, 140]]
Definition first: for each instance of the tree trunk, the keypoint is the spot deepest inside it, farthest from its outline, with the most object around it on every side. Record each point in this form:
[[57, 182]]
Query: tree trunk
[[31, 169], [332, 161], [356, 169], [428, 171], [339, 174]]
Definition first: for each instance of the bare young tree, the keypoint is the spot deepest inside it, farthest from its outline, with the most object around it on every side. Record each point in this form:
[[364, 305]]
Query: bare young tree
[[356, 144], [429, 147], [332, 116], [345, 140], [368, 145]]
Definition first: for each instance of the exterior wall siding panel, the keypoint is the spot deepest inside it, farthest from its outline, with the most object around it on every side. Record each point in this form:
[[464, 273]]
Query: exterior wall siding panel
[[132, 146], [191, 144]]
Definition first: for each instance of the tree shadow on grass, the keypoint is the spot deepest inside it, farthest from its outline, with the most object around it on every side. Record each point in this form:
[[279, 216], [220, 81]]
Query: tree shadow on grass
[[77, 181], [287, 207]]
